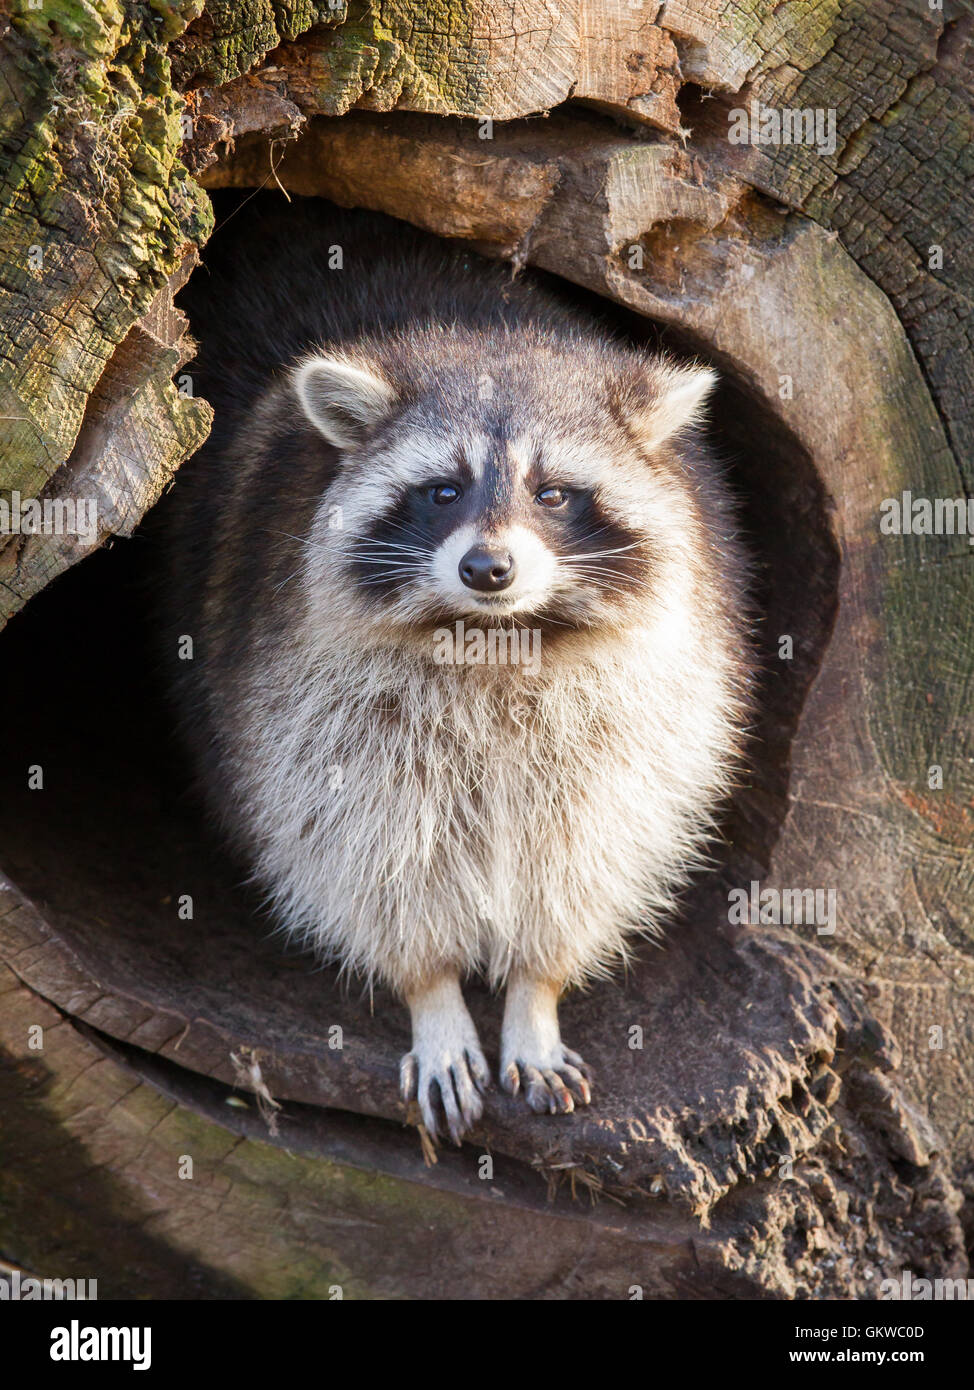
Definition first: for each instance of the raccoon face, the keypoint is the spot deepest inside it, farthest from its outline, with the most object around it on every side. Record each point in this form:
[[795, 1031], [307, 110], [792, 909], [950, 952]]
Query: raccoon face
[[557, 506]]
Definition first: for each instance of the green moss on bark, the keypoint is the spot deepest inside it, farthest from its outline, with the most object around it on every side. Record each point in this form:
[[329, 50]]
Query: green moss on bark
[[98, 212]]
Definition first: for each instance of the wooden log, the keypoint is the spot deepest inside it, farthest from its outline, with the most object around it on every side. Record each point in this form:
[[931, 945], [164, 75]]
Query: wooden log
[[118, 1165], [773, 300], [799, 1121]]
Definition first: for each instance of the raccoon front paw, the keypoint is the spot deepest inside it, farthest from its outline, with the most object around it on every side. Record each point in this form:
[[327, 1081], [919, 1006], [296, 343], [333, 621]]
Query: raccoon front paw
[[458, 1075], [551, 1080]]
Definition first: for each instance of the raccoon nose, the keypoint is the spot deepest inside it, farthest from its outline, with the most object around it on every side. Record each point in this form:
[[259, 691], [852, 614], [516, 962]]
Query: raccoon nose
[[487, 570]]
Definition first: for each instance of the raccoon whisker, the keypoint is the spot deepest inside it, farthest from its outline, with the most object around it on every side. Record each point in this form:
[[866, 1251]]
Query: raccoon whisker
[[391, 556], [401, 579], [385, 559], [602, 582], [608, 589], [556, 622], [606, 592], [595, 532], [278, 587], [597, 567], [409, 531], [597, 576], [301, 540], [391, 551], [606, 570], [393, 547], [598, 554], [384, 578], [375, 544], [546, 618], [591, 559], [394, 558], [395, 590], [603, 529], [385, 574]]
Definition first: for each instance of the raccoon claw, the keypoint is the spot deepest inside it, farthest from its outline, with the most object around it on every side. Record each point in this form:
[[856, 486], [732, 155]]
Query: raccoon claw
[[579, 1072], [550, 1089], [460, 1081]]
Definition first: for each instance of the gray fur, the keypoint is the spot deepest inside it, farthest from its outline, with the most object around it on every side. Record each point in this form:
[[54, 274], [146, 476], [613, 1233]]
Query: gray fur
[[416, 821]]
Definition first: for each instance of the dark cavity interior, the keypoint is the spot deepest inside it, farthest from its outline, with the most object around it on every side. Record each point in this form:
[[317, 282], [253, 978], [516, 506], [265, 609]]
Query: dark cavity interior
[[115, 837]]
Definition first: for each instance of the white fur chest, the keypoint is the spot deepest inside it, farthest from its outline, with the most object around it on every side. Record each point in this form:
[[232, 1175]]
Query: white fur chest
[[401, 811]]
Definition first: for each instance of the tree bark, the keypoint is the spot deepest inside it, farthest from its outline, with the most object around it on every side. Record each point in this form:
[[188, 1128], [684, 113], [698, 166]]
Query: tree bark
[[812, 1133]]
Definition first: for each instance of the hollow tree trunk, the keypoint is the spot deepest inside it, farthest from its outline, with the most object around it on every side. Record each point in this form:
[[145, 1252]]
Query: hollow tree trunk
[[800, 1117]]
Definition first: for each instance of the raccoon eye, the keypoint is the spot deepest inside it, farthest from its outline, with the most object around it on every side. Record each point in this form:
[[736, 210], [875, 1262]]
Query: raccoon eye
[[443, 494], [552, 497]]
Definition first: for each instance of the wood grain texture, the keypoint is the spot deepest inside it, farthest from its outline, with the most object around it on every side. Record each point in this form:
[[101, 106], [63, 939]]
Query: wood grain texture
[[99, 1136], [98, 223], [845, 347]]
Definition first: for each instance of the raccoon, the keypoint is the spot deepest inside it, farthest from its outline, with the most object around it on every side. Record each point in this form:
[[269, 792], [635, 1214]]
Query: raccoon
[[470, 665]]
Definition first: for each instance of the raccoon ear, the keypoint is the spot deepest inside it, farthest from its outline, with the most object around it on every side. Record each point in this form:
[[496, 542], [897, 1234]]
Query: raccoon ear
[[665, 399], [342, 400]]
